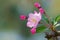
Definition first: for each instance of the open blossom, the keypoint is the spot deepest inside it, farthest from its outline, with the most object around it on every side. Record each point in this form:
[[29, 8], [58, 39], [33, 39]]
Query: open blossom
[[33, 19]]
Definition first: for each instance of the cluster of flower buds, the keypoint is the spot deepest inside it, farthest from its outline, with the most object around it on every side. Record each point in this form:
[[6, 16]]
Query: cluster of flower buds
[[37, 5], [33, 18]]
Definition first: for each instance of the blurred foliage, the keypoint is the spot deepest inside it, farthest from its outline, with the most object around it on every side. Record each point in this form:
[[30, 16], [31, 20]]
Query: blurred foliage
[[44, 18], [57, 18], [41, 29], [24, 29]]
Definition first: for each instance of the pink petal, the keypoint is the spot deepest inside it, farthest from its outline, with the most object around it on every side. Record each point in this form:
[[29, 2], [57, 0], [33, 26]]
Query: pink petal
[[35, 26], [35, 12], [31, 14], [36, 4], [33, 30], [29, 24], [38, 18]]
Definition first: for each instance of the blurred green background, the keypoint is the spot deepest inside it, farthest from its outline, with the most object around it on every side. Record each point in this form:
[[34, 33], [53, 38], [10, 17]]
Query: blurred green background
[[10, 10]]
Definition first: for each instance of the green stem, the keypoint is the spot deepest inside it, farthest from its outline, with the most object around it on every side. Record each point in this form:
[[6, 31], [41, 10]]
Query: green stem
[[44, 23], [48, 19], [51, 26]]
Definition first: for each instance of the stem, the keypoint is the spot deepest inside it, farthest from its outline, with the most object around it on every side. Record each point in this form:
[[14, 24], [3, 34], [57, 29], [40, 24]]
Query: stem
[[53, 36], [51, 26], [48, 18], [44, 23]]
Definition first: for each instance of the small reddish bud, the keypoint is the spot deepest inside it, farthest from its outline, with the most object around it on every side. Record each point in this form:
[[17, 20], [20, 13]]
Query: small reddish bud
[[33, 30], [41, 10], [37, 5], [22, 17]]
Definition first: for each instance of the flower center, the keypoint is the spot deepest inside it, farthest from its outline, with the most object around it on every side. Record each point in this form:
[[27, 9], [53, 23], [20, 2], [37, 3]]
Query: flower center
[[34, 20]]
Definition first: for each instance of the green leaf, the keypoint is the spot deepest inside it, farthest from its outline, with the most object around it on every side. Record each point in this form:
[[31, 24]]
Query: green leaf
[[57, 25], [52, 21], [57, 18], [41, 29]]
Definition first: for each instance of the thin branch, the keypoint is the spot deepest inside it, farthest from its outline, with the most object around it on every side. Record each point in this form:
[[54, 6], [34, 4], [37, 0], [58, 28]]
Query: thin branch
[[51, 26], [44, 23]]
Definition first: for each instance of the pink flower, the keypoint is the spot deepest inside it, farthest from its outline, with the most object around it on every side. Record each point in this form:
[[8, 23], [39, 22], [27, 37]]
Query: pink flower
[[41, 10], [37, 5], [22, 17], [33, 30], [33, 19]]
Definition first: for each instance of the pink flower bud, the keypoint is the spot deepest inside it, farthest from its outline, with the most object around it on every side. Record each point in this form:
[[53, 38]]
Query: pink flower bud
[[33, 30], [41, 10], [22, 17], [36, 4]]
